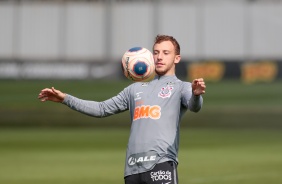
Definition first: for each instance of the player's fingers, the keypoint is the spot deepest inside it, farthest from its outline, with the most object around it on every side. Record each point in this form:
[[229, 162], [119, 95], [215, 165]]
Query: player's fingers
[[195, 82], [43, 98], [199, 83], [55, 90], [202, 85], [200, 80], [46, 92], [43, 93], [46, 89]]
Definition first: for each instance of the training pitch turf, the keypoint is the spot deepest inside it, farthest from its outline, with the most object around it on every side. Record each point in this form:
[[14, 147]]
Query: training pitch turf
[[75, 156], [235, 139]]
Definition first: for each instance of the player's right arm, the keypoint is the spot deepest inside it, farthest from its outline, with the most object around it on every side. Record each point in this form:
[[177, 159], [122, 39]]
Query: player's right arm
[[114, 105]]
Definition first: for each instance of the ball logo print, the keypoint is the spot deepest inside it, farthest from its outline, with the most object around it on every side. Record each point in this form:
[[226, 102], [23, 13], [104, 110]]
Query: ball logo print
[[138, 64], [140, 67]]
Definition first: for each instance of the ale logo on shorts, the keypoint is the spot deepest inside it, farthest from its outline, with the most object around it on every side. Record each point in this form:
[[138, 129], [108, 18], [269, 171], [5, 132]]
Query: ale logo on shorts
[[165, 91], [142, 158]]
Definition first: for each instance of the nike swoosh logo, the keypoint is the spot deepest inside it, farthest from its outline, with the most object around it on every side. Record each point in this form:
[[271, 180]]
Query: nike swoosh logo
[[166, 183]]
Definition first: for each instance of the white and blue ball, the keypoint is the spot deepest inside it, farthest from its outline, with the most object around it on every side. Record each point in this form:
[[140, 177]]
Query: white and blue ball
[[138, 64]]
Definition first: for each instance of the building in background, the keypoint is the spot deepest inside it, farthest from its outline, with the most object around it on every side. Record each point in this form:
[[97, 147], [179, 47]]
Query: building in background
[[86, 39]]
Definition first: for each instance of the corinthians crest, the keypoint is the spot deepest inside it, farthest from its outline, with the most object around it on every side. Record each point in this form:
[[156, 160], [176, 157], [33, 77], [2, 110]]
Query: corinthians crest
[[165, 91]]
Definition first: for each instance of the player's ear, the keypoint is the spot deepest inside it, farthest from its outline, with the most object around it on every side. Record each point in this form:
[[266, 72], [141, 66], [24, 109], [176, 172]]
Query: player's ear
[[177, 59]]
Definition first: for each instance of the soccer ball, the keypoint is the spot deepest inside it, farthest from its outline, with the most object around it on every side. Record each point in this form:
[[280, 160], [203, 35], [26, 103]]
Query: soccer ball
[[138, 64]]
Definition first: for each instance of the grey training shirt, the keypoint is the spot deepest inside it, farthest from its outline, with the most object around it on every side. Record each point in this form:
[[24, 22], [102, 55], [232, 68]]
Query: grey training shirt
[[156, 108]]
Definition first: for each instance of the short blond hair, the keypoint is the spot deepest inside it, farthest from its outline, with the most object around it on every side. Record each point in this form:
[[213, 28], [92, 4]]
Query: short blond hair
[[160, 38]]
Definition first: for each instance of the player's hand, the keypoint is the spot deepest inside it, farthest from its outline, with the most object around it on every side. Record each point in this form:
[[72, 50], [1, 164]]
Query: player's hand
[[51, 95], [198, 86]]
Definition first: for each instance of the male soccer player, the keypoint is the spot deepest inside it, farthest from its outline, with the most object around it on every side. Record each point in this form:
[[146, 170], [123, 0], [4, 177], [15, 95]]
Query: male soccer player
[[156, 108]]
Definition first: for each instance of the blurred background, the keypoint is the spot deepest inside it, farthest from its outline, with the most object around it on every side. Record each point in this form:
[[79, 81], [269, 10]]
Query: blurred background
[[67, 39], [77, 45]]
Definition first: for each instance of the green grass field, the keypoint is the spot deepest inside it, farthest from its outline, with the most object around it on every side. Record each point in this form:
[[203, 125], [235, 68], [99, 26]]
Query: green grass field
[[236, 138], [75, 156]]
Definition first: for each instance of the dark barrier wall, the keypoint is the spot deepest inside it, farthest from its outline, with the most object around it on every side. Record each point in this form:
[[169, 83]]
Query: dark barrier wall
[[211, 70], [247, 71]]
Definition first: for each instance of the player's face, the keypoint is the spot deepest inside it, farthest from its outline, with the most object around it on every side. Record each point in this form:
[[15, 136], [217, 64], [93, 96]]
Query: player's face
[[165, 58]]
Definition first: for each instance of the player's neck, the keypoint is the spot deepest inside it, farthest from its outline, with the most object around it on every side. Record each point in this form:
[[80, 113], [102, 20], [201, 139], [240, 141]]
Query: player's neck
[[164, 76]]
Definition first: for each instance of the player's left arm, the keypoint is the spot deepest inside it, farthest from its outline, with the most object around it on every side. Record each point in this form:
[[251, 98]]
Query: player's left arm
[[198, 88], [192, 94]]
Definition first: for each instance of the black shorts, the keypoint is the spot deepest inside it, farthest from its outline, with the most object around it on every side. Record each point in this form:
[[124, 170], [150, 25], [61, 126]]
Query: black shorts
[[163, 173]]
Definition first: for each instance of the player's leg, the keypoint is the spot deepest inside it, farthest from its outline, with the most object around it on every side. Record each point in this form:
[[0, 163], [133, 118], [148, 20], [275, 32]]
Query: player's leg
[[163, 173]]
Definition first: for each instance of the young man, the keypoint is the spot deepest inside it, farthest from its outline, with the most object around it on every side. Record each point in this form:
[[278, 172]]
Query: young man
[[156, 108]]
